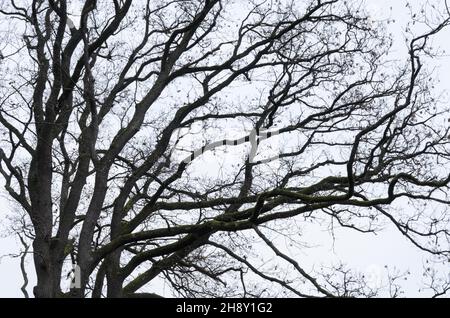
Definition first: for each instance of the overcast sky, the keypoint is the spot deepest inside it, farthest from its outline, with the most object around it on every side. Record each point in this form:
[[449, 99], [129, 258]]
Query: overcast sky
[[367, 253]]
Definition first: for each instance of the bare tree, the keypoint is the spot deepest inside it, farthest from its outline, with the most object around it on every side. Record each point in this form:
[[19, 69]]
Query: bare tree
[[110, 110]]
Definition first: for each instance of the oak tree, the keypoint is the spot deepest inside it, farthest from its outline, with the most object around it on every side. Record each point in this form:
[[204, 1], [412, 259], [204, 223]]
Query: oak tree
[[136, 141]]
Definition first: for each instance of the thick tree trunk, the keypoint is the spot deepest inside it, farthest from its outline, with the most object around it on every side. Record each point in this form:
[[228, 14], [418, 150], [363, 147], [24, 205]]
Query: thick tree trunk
[[39, 184], [114, 281], [44, 269]]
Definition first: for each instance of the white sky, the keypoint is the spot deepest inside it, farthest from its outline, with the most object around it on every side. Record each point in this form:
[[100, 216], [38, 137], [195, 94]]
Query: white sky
[[364, 252]]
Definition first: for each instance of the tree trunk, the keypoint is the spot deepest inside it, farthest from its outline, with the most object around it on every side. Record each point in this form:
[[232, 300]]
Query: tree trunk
[[39, 184], [44, 269]]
